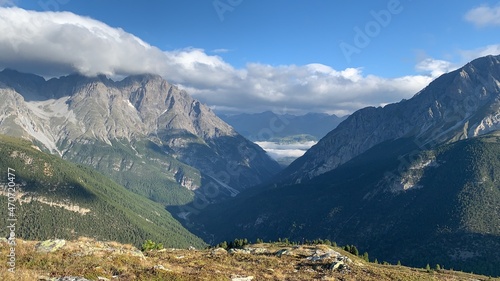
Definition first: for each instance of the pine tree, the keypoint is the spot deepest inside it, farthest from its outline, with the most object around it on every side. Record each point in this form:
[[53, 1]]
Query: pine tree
[[223, 245], [428, 268], [354, 250]]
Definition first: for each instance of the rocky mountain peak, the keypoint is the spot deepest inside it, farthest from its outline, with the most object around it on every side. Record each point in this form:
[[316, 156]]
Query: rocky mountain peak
[[140, 113], [458, 105]]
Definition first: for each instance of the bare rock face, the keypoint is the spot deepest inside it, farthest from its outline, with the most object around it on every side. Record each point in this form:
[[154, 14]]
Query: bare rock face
[[139, 121], [458, 105]]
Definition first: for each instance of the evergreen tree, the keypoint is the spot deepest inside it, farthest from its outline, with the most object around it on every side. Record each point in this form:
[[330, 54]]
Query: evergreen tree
[[365, 257], [354, 250], [223, 245], [149, 245], [428, 268]]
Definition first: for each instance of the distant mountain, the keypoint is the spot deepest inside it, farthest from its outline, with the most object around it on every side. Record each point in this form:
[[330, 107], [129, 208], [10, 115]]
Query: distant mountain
[[268, 126], [145, 133], [415, 181], [55, 198], [458, 105]]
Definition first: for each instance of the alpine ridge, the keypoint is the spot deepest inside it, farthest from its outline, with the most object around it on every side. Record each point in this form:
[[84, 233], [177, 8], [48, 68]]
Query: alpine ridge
[[147, 134], [415, 181], [458, 105], [55, 198]]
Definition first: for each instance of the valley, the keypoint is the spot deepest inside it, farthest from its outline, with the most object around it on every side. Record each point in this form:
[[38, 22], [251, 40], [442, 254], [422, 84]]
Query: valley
[[285, 137], [249, 141], [419, 193], [403, 191]]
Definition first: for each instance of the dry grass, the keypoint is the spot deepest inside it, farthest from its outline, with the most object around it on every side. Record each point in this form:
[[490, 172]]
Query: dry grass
[[109, 260]]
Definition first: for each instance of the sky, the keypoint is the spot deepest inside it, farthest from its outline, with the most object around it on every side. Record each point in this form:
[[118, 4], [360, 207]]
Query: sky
[[292, 56]]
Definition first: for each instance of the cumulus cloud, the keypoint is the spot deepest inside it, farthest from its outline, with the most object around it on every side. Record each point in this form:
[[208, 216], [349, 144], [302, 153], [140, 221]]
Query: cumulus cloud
[[484, 15], [435, 67], [314, 87], [280, 151], [287, 146], [468, 55], [62, 42], [59, 43]]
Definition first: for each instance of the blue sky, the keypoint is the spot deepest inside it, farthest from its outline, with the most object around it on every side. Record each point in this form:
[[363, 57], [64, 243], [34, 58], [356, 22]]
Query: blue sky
[[405, 44]]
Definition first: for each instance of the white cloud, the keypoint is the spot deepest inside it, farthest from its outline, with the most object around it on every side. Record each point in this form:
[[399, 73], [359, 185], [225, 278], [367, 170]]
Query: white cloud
[[310, 87], [468, 55], [63, 42], [435, 67], [266, 145], [484, 16], [279, 151], [58, 43], [277, 154]]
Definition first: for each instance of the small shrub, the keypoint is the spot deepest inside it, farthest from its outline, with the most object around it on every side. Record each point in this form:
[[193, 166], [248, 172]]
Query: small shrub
[[149, 245]]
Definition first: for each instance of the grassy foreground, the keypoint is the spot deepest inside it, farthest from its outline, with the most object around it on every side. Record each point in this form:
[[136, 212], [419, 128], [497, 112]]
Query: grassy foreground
[[95, 260]]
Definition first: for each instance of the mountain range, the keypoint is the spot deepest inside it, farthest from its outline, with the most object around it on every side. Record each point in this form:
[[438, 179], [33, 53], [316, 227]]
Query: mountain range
[[415, 181], [285, 137], [56, 198], [143, 132], [459, 105], [270, 126]]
